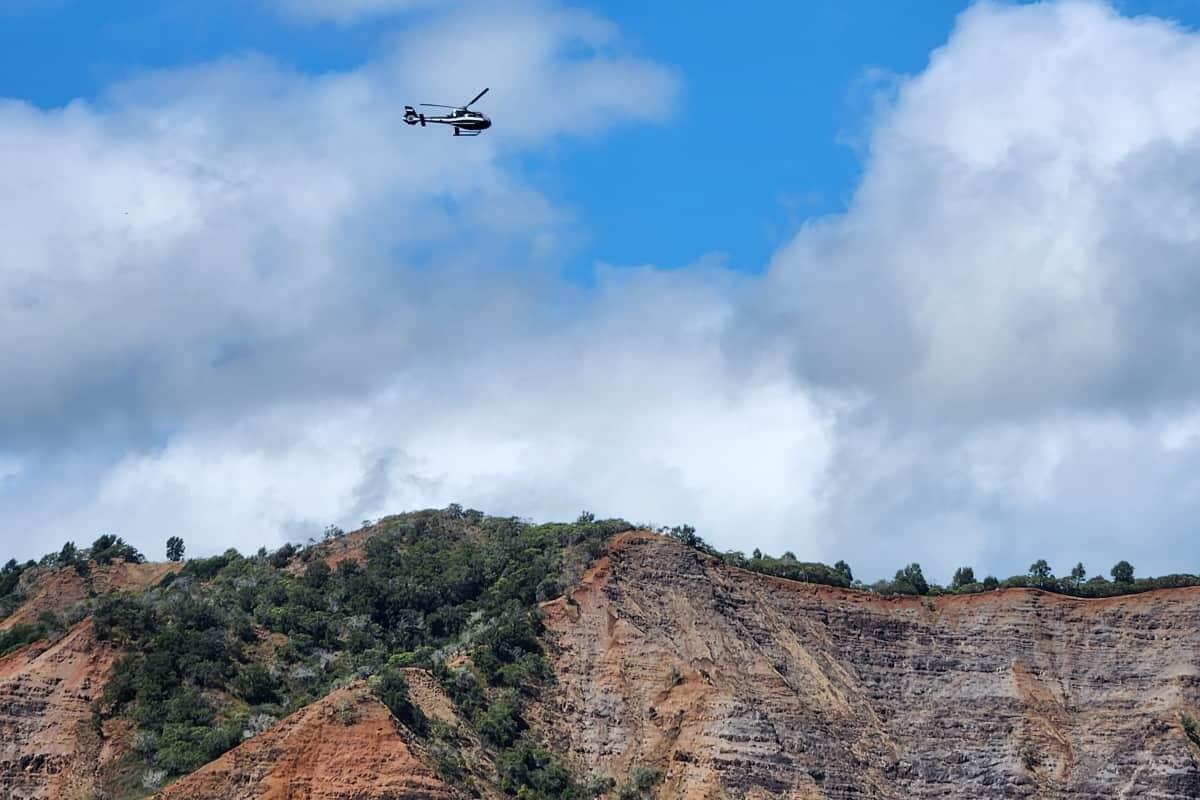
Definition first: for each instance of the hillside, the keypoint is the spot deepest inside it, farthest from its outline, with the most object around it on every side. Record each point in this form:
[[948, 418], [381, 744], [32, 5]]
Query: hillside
[[448, 654]]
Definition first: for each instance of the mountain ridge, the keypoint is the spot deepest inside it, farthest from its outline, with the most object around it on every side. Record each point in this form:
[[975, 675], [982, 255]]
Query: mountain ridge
[[657, 670]]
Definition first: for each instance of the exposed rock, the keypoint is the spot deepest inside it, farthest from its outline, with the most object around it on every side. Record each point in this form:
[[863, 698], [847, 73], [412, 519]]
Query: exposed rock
[[48, 747], [740, 685], [346, 746]]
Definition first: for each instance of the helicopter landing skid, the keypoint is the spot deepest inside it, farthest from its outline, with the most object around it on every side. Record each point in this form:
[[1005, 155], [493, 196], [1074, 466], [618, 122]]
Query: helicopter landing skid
[[458, 132]]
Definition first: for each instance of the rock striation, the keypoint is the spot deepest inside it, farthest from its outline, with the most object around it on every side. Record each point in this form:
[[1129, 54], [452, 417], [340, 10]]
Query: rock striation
[[49, 749], [739, 685]]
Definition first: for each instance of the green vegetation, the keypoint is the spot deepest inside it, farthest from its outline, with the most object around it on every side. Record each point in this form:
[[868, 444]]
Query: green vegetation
[[910, 579], [1122, 572], [1191, 728], [391, 687], [10, 585], [175, 548], [232, 643], [19, 636], [108, 548], [786, 566], [641, 783]]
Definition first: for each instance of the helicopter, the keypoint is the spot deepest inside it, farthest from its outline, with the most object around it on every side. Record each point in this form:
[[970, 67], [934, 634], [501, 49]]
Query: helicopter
[[465, 122]]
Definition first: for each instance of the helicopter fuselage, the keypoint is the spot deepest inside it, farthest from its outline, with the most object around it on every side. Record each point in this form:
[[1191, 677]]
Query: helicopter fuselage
[[461, 120]]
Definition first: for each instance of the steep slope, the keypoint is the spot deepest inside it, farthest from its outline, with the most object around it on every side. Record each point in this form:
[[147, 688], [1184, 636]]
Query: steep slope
[[48, 748], [346, 745], [739, 685], [59, 589]]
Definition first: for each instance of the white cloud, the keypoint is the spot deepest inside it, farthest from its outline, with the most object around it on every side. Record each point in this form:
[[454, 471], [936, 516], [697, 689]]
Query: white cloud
[[1024, 238], [1012, 299], [313, 314], [621, 412]]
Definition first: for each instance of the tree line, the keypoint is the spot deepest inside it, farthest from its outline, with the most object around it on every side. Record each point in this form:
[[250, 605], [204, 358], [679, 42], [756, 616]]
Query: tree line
[[910, 579]]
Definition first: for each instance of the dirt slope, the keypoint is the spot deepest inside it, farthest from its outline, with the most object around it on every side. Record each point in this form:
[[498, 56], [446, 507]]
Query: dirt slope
[[739, 685], [344, 746], [48, 748], [58, 590]]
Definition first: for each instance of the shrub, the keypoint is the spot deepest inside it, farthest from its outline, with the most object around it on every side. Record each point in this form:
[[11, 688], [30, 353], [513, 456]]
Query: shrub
[[18, 636], [532, 772], [641, 783], [1191, 728], [391, 687], [108, 548]]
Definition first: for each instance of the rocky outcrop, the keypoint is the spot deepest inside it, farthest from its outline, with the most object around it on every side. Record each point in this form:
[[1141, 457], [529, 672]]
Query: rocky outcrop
[[739, 685], [48, 746], [346, 745]]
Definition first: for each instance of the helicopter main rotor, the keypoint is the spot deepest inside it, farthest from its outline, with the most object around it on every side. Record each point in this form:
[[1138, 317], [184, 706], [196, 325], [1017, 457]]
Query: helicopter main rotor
[[458, 108]]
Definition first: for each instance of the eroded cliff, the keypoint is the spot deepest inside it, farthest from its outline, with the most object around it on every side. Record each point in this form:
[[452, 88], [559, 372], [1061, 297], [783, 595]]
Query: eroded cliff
[[49, 749], [739, 685]]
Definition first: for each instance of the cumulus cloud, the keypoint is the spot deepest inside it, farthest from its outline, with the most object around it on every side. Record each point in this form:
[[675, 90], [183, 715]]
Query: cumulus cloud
[[1011, 300], [1023, 242], [241, 303]]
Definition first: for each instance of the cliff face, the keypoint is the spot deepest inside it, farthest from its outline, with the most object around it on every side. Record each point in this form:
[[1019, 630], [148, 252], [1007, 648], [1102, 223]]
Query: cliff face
[[48, 747], [344, 746], [739, 685]]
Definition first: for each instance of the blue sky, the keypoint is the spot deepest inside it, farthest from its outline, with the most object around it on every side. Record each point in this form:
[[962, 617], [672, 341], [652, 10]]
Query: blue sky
[[772, 106], [862, 280], [758, 144]]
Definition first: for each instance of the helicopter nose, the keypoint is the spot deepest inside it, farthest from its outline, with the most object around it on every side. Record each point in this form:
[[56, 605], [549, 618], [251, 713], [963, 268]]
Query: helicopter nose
[[487, 123]]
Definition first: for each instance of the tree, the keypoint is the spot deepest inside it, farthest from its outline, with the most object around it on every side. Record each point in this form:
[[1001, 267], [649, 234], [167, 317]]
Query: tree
[[757, 554], [108, 548], [962, 577], [910, 580], [1078, 573], [991, 582], [687, 534], [175, 549], [844, 568], [1122, 572], [1040, 570], [788, 555], [67, 555]]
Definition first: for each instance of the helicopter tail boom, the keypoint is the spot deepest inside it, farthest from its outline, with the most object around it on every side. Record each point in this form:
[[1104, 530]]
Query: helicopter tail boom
[[412, 117]]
